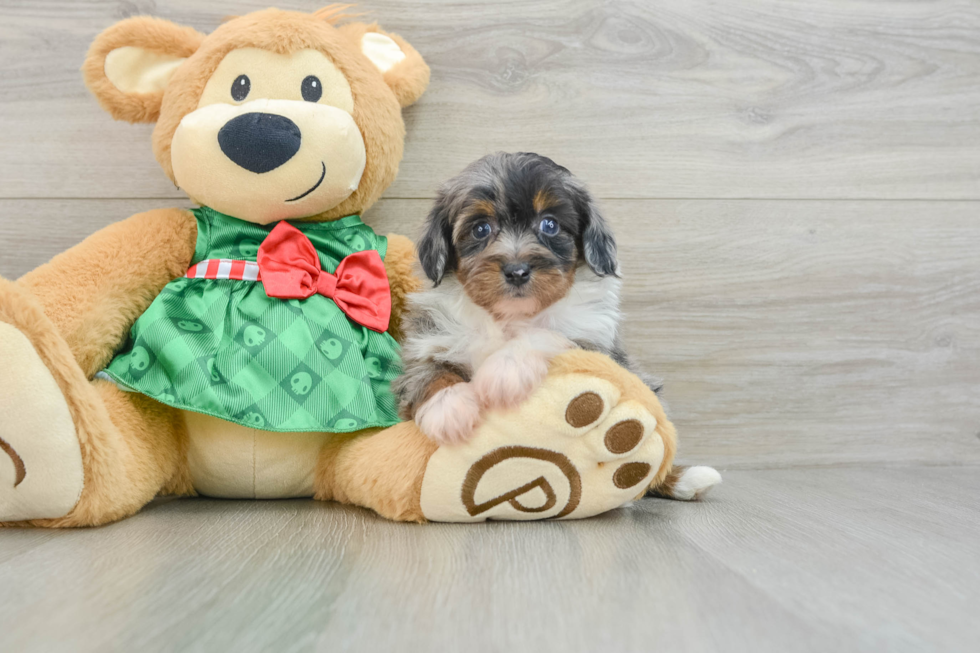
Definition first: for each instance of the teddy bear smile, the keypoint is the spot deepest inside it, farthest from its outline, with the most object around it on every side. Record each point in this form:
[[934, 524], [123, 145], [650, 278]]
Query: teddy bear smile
[[270, 155], [323, 174]]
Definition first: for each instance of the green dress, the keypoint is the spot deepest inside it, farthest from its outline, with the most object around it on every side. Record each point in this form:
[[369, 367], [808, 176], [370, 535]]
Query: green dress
[[225, 348]]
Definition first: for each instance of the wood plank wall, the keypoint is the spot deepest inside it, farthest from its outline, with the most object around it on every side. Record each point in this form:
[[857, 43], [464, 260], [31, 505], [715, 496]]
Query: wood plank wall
[[795, 184]]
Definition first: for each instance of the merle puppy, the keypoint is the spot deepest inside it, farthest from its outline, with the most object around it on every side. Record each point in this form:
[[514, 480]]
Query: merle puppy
[[524, 267]]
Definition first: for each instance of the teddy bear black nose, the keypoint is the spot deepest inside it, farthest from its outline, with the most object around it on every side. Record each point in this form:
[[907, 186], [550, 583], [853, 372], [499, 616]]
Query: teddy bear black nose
[[259, 142]]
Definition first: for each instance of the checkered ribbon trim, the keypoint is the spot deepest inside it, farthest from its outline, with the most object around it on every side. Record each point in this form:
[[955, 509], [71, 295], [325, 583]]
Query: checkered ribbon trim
[[224, 268]]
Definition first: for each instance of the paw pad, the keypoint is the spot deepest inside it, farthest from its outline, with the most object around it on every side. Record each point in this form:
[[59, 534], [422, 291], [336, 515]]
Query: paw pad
[[584, 409], [541, 463], [630, 474], [624, 436]]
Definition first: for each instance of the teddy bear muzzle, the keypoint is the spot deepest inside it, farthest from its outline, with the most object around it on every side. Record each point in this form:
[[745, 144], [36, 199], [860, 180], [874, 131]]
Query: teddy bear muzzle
[[268, 160]]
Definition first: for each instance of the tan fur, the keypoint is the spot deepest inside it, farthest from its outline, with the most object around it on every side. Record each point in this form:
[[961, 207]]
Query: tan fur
[[377, 109], [475, 209], [548, 286], [127, 457], [542, 201], [400, 264], [478, 207], [77, 309], [381, 470], [410, 77], [484, 284], [333, 13], [146, 32], [665, 488], [95, 291], [481, 279]]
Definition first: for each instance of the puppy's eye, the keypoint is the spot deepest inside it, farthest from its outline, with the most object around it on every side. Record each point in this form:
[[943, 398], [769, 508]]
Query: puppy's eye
[[312, 88], [240, 88], [482, 230], [549, 227]]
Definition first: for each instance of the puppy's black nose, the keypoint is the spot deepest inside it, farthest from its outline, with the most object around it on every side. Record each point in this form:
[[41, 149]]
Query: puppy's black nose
[[517, 274], [259, 142]]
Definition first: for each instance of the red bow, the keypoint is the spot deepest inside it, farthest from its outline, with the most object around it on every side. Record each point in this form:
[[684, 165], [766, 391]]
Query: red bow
[[290, 269]]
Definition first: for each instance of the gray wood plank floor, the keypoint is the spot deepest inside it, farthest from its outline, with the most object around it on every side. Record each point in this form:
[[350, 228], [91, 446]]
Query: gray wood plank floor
[[796, 184], [778, 560]]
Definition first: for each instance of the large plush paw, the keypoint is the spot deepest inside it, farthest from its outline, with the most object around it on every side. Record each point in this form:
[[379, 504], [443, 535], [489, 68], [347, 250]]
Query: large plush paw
[[509, 376], [450, 415], [579, 446], [40, 457]]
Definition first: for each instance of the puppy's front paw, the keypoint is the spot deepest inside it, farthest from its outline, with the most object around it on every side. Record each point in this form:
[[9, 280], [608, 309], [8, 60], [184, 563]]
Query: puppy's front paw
[[450, 415], [509, 376]]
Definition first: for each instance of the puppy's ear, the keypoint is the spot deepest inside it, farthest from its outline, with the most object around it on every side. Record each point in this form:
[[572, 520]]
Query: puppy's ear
[[598, 243], [435, 246]]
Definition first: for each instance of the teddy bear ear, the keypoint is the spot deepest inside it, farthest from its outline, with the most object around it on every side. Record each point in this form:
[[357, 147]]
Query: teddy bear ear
[[130, 64], [404, 70]]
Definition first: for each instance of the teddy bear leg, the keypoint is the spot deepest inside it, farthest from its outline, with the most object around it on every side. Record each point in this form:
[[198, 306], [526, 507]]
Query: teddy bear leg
[[590, 439], [379, 469], [73, 452]]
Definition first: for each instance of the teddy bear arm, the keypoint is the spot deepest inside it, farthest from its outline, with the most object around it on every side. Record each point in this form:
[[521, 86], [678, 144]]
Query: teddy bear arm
[[94, 291], [400, 266]]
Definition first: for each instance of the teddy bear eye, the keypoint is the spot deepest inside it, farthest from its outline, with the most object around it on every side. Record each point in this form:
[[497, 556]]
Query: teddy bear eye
[[312, 88], [240, 88]]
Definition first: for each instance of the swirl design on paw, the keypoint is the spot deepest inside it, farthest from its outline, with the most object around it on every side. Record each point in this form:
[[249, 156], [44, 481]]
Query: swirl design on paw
[[578, 447], [497, 456], [19, 467]]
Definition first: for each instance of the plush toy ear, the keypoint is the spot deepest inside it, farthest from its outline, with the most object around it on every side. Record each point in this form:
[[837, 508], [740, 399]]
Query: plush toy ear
[[130, 64], [404, 70]]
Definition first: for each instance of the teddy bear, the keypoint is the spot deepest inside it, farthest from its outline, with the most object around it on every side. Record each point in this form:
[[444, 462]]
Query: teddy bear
[[246, 348]]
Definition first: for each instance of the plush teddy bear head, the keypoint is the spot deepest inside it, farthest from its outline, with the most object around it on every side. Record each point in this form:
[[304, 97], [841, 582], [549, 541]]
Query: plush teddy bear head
[[275, 115]]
